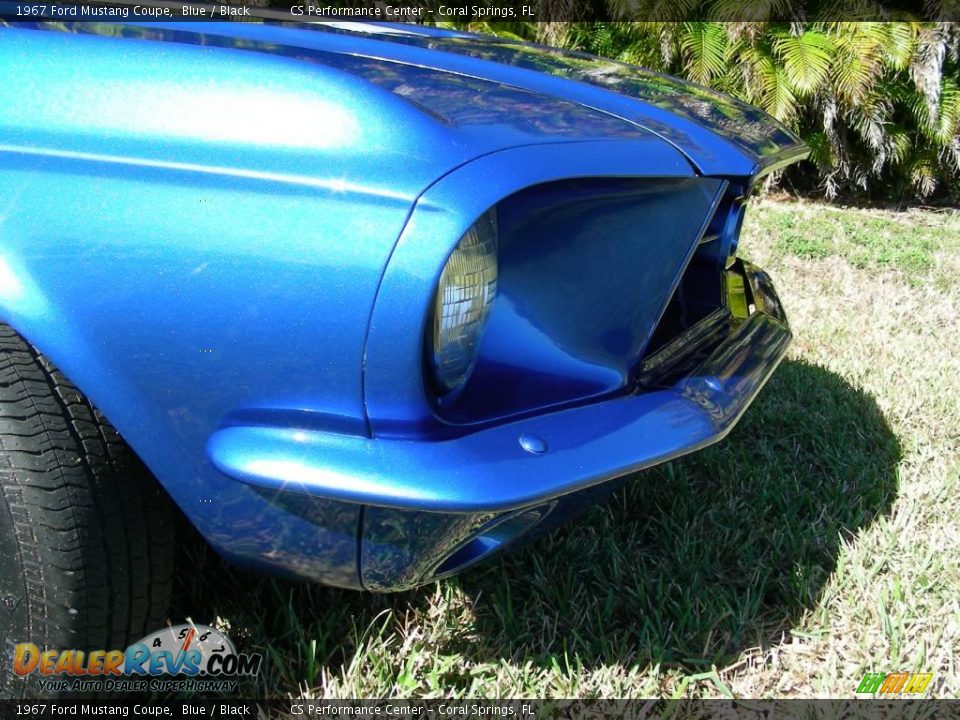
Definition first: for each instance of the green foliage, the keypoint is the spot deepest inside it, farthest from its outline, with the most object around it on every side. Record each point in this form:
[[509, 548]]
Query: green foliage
[[704, 50], [806, 60], [878, 103]]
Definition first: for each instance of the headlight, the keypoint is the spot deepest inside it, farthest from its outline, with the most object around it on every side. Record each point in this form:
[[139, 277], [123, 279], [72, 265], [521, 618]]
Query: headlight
[[465, 295]]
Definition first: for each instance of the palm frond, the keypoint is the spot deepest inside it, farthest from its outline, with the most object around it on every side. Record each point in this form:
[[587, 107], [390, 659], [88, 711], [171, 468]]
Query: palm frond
[[778, 98], [859, 62], [902, 42], [943, 124], [821, 152], [947, 126], [926, 66], [658, 10], [806, 59], [704, 48], [748, 10], [900, 144], [923, 175], [869, 120]]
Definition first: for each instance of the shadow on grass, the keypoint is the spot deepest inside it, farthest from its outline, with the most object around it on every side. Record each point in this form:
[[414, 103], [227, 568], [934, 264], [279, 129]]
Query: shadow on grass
[[697, 560], [689, 563]]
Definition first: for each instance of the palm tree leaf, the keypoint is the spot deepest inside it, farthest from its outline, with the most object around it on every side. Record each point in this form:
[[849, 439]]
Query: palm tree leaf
[[947, 126], [859, 62], [806, 59], [923, 175], [902, 41], [778, 98], [748, 10], [900, 144], [704, 48], [821, 152]]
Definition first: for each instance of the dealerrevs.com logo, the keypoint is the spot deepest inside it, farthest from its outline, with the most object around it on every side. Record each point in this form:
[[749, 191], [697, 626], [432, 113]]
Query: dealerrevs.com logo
[[193, 658], [894, 684]]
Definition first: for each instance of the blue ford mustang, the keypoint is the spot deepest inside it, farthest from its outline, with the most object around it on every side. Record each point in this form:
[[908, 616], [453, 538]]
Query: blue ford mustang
[[364, 303]]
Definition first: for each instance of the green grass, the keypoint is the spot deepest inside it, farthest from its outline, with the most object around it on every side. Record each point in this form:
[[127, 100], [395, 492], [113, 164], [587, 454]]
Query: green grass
[[821, 540], [868, 239]]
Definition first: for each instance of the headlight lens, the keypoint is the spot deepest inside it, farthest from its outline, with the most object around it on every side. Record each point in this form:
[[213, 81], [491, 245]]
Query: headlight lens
[[465, 295]]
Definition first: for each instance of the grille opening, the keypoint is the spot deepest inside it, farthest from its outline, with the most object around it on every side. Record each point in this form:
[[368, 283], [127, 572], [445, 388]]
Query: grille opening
[[698, 296], [584, 272], [696, 316]]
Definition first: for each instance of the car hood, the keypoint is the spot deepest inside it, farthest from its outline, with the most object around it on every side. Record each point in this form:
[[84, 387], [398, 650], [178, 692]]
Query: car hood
[[464, 78], [412, 97], [707, 126]]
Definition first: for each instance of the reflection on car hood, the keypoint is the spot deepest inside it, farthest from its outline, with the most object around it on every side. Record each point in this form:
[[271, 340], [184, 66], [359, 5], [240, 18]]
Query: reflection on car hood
[[752, 131], [497, 92], [709, 127]]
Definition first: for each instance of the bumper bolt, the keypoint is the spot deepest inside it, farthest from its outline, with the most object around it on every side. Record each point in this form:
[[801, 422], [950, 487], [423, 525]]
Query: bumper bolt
[[533, 444]]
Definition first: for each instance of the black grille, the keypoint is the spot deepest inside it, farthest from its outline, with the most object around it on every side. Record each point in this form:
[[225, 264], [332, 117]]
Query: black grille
[[696, 318]]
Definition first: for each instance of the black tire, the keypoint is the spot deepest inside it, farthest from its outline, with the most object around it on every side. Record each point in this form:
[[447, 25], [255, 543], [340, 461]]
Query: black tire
[[86, 533]]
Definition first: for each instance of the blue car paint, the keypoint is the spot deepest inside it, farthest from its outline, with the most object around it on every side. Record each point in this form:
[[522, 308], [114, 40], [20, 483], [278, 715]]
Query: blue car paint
[[720, 135], [261, 296], [489, 470], [402, 548], [397, 403]]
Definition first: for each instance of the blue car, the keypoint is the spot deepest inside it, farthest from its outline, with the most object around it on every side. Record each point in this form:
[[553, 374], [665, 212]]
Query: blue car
[[363, 303]]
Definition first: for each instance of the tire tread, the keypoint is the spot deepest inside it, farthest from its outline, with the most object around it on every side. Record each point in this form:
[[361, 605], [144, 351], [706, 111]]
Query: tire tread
[[92, 529]]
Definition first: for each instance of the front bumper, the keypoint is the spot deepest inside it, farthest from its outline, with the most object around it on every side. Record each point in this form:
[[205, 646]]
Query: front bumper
[[438, 495]]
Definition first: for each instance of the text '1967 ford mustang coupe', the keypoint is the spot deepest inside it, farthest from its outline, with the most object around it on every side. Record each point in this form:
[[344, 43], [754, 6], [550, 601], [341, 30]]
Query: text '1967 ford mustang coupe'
[[364, 303]]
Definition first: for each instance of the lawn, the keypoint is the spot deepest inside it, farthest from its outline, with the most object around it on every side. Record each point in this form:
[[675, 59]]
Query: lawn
[[819, 541]]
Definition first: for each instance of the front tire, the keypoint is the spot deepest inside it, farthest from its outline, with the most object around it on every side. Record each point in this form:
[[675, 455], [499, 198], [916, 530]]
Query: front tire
[[86, 533]]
